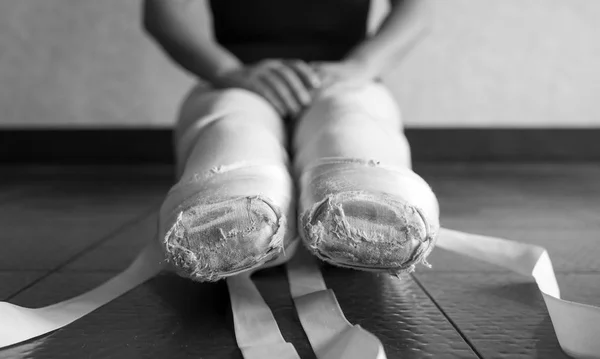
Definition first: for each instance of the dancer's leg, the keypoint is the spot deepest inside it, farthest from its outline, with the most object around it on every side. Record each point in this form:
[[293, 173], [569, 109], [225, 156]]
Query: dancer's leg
[[230, 209], [361, 205]]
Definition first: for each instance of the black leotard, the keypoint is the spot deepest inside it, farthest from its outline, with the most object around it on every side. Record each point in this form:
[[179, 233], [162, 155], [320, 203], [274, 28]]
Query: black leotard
[[307, 29]]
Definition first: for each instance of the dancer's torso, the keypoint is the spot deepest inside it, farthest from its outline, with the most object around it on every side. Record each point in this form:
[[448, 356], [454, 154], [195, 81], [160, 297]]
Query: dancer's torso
[[307, 29]]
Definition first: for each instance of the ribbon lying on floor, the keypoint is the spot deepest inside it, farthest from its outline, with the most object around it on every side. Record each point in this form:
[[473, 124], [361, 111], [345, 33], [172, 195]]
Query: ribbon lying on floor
[[256, 330], [330, 335], [577, 326]]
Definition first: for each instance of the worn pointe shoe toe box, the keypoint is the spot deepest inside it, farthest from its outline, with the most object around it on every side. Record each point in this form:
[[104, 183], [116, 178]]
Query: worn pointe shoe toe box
[[368, 231], [210, 241]]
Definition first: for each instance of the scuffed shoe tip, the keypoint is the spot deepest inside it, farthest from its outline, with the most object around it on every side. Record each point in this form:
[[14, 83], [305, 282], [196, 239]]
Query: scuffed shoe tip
[[368, 231], [207, 242]]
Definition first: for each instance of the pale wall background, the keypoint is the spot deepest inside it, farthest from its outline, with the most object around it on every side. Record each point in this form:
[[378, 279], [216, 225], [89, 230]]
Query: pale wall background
[[488, 63]]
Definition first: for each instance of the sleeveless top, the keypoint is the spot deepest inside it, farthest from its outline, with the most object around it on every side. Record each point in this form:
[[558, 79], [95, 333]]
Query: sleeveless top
[[310, 30]]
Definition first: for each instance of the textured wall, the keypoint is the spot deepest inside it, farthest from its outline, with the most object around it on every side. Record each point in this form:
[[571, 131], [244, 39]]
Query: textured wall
[[530, 63], [82, 62]]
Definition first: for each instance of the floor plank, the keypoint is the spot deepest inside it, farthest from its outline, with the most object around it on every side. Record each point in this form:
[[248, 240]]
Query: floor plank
[[461, 308], [12, 282], [116, 253], [80, 172], [570, 250], [167, 317], [398, 312], [554, 206], [503, 314], [42, 231], [13, 190], [176, 318]]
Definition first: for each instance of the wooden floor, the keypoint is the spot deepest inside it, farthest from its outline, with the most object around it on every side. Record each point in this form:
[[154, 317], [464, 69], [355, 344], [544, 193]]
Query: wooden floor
[[64, 230]]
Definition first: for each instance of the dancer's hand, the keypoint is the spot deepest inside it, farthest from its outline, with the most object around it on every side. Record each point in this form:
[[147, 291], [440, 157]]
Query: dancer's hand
[[286, 84], [347, 73]]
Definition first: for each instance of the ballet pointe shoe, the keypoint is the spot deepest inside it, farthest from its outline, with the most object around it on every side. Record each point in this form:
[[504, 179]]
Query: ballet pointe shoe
[[211, 229], [363, 215]]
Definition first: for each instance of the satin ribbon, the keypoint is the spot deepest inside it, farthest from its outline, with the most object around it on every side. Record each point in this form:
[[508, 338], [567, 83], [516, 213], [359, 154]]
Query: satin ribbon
[[18, 324], [577, 326], [256, 330], [329, 333]]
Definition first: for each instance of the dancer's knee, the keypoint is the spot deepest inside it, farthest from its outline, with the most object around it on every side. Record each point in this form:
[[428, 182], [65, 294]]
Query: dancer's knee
[[202, 109], [224, 111], [371, 103]]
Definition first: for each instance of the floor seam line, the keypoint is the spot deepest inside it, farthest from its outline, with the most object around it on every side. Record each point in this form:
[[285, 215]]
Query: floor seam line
[[84, 251], [454, 325]]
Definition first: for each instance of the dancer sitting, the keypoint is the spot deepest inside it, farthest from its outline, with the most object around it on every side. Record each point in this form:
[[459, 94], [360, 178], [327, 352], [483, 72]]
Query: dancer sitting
[[304, 73]]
